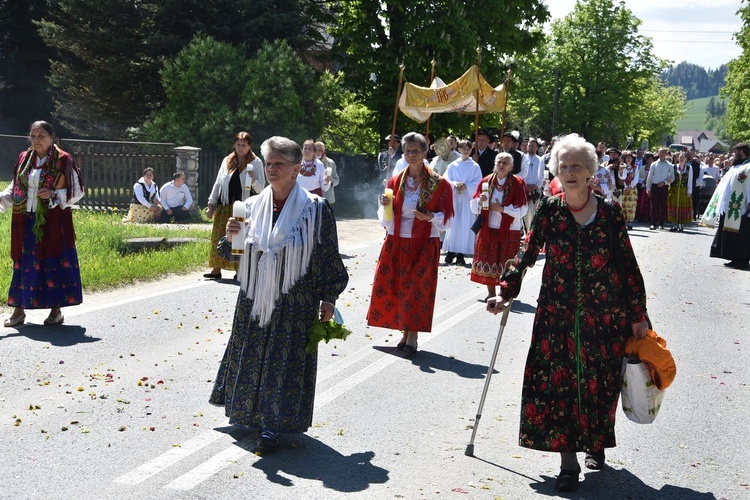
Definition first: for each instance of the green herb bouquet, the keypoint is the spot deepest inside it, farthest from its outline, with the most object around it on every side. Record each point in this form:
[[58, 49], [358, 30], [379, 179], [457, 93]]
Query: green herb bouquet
[[325, 330]]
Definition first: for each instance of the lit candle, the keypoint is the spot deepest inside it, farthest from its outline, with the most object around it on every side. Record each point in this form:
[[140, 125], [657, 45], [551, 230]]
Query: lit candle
[[249, 170], [486, 193]]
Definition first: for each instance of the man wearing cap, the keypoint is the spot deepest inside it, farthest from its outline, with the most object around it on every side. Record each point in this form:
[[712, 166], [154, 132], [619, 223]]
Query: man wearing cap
[[482, 153], [510, 143], [387, 159]]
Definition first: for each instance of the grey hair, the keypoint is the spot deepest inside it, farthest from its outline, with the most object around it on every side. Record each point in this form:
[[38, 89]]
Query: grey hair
[[574, 142], [502, 155], [416, 138], [284, 147]]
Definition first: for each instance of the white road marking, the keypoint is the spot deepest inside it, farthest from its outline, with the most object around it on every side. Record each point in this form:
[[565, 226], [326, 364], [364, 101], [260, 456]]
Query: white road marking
[[386, 360], [239, 450], [158, 464], [211, 466]]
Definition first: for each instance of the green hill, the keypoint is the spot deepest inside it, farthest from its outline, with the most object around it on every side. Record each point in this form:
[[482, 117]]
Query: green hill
[[695, 119]]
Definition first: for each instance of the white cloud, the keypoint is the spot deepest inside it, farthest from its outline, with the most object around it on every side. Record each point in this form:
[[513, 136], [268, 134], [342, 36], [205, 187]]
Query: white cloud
[[677, 28]]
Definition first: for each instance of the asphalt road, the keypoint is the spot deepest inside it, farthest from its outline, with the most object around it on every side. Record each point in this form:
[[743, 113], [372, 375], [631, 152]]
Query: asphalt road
[[113, 404]]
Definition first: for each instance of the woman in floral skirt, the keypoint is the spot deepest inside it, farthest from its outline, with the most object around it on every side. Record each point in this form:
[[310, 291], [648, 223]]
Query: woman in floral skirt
[[586, 311], [46, 183]]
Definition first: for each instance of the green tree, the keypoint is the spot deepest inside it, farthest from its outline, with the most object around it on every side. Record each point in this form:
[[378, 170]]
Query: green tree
[[373, 37], [105, 75], [603, 64], [24, 59], [656, 113], [604, 72], [737, 88], [213, 91]]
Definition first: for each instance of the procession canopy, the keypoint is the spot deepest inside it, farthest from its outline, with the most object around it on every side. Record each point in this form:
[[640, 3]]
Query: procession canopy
[[460, 96]]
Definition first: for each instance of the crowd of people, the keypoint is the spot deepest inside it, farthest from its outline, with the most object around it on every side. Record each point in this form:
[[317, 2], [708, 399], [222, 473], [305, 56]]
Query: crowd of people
[[500, 207]]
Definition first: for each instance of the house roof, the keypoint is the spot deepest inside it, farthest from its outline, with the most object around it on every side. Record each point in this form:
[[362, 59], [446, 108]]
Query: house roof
[[697, 139]]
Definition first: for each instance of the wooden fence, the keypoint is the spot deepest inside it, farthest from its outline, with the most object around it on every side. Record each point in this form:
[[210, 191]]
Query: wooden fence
[[111, 168]]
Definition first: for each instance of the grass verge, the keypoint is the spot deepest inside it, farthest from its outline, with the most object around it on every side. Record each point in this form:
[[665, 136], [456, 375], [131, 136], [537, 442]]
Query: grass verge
[[99, 239]]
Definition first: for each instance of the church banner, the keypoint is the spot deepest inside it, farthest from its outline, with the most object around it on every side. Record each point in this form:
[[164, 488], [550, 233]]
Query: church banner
[[459, 96]]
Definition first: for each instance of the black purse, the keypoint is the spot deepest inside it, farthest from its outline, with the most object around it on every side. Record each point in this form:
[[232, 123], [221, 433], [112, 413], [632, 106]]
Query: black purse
[[477, 224]]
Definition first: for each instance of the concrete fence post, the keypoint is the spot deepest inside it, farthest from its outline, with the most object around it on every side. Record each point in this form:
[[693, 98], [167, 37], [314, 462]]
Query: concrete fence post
[[188, 160]]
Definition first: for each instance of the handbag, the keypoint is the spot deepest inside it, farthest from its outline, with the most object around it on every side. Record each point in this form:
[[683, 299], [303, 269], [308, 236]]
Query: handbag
[[477, 224], [641, 399]]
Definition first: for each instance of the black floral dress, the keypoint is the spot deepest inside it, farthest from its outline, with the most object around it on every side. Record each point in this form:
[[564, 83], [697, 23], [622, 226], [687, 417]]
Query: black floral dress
[[585, 309], [266, 379]]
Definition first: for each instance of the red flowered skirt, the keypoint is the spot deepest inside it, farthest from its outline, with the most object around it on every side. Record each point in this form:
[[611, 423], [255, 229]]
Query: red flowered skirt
[[492, 251], [403, 293]]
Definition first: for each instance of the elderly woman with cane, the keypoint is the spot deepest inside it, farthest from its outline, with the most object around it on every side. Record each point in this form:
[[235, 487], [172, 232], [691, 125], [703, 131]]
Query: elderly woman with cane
[[591, 300], [291, 274]]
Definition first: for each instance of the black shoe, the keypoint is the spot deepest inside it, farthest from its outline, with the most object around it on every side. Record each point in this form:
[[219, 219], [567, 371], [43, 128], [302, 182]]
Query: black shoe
[[661, 227], [460, 260], [629, 226], [212, 276], [594, 460], [449, 257], [268, 442], [652, 227], [673, 229], [567, 480], [736, 264], [679, 228], [235, 277]]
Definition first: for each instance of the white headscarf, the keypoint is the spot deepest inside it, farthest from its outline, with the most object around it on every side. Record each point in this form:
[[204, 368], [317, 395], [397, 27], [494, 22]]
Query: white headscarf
[[268, 249]]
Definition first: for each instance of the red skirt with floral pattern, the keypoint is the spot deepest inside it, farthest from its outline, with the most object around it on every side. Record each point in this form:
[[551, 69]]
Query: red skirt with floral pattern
[[403, 293]]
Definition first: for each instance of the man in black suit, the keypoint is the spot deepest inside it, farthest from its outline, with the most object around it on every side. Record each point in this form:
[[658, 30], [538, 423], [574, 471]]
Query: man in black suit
[[510, 145], [482, 153], [393, 153]]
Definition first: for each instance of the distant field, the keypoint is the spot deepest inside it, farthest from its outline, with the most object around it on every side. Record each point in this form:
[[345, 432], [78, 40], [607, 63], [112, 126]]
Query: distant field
[[696, 114]]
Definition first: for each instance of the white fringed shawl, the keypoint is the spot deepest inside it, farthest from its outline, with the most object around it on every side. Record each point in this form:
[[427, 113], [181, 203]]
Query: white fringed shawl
[[270, 249]]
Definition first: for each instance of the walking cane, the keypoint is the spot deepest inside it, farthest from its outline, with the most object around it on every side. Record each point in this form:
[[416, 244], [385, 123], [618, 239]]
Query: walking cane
[[503, 321]]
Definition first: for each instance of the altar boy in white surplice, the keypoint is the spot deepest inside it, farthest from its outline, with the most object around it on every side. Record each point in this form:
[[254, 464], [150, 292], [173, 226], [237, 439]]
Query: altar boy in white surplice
[[464, 175]]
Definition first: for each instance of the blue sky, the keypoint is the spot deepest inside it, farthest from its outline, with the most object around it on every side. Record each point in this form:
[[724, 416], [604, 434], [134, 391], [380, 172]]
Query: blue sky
[[696, 31]]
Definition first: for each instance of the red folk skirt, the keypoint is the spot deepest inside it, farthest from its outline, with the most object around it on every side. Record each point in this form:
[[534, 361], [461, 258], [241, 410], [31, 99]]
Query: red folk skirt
[[403, 292], [491, 252]]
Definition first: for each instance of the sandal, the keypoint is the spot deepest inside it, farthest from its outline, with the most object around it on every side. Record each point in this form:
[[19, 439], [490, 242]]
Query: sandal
[[567, 480], [400, 346], [594, 460]]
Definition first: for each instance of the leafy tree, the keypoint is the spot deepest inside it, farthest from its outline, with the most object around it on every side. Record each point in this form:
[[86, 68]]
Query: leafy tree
[[373, 37], [213, 91], [24, 97], [603, 68], [737, 88], [105, 75], [655, 116]]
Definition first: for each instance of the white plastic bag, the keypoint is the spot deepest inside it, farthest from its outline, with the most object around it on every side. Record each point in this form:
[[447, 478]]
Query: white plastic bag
[[641, 399]]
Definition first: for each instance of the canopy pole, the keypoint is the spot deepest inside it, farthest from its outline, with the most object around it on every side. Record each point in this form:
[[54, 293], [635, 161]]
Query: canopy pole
[[505, 105], [476, 98], [432, 77], [395, 115]]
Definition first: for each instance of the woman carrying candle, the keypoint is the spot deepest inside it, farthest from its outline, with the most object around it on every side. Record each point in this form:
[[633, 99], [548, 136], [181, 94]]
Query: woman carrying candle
[[500, 236], [403, 293]]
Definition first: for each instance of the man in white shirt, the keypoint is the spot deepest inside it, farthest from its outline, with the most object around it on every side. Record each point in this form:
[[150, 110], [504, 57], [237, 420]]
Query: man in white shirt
[[534, 179], [660, 176], [175, 199]]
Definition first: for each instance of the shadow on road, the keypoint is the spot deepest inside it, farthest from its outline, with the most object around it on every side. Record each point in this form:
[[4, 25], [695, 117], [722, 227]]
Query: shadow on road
[[310, 458], [619, 484], [57, 335], [431, 362]]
